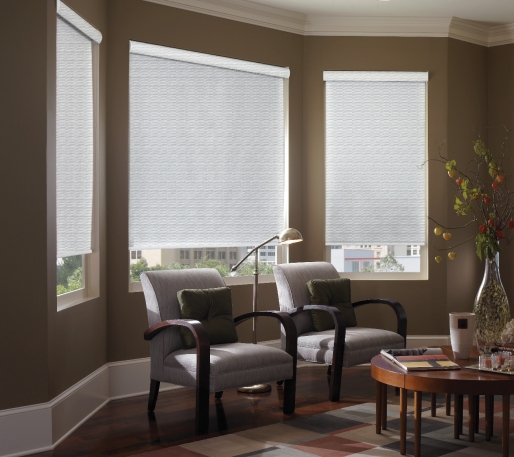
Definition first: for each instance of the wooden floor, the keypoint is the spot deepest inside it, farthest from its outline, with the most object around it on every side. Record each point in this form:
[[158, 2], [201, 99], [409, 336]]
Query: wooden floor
[[123, 427]]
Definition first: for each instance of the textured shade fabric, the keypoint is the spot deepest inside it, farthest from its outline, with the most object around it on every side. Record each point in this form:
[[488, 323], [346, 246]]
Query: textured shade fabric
[[74, 141], [206, 152], [375, 149]]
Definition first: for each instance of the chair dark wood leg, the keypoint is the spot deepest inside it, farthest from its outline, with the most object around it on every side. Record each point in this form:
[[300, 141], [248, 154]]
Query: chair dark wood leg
[[335, 377], [289, 395], [218, 395], [329, 370], [202, 411], [448, 404], [154, 391]]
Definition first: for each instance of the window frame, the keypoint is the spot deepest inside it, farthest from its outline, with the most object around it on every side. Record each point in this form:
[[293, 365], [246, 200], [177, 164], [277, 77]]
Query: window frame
[[90, 262], [423, 249]]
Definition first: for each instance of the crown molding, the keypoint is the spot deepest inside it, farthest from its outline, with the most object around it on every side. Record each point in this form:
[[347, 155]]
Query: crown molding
[[243, 11], [376, 26], [314, 25]]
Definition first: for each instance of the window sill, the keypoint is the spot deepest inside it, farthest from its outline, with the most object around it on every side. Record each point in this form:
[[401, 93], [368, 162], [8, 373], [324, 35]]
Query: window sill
[[70, 299], [385, 276], [229, 281]]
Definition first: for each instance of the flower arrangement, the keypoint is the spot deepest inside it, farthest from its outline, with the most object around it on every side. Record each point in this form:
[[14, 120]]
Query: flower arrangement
[[481, 189]]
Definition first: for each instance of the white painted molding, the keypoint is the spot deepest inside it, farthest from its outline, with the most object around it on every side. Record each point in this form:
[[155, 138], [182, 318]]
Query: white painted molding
[[376, 26], [38, 428], [314, 25]]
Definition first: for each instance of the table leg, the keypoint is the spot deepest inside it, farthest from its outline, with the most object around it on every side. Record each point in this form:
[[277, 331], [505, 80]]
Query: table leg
[[448, 404], [461, 413], [384, 406], [403, 421], [379, 407], [432, 404], [417, 423], [476, 405], [505, 423], [471, 418], [457, 416], [488, 417]]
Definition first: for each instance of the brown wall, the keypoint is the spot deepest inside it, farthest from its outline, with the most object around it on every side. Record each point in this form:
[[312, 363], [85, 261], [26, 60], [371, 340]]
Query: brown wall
[[157, 24], [500, 74], [467, 114], [46, 351], [424, 301]]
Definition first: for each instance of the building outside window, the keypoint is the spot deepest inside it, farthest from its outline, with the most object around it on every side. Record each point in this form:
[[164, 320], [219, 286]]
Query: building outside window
[[222, 255], [184, 254], [197, 255], [210, 253], [135, 255]]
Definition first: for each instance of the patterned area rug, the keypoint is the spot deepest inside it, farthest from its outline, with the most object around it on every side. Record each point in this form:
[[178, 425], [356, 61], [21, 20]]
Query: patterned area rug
[[351, 431]]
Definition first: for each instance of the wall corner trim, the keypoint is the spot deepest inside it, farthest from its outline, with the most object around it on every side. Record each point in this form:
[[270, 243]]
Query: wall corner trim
[[316, 25], [37, 428]]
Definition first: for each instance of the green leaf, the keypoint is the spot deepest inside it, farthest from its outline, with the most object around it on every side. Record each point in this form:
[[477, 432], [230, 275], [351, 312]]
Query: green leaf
[[450, 164], [465, 195]]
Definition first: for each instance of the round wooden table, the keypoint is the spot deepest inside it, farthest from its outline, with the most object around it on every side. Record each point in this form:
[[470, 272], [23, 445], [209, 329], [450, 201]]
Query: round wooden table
[[458, 382]]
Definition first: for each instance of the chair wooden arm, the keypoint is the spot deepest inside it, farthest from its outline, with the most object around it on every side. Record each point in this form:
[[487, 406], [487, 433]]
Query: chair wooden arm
[[203, 367], [286, 320], [401, 316]]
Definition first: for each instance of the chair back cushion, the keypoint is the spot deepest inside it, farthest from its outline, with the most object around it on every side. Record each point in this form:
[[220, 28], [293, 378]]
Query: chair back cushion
[[160, 289], [292, 279], [331, 292], [213, 308]]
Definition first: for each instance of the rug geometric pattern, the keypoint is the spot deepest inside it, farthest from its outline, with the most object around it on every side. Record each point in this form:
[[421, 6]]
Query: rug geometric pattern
[[350, 431]]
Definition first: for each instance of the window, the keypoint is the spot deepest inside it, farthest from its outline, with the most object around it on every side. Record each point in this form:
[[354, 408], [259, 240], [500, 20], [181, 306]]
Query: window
[[135, 255], [201, 120], [197, 255], [76, 145], [377, 119], [233, 255], [184, 255], [355, 266]]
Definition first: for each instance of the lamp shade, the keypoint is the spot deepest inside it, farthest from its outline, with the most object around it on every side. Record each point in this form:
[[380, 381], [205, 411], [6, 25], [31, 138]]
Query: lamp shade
[[289, 236]]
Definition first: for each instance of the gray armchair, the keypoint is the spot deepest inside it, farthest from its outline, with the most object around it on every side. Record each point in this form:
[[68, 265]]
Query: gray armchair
[[342, 346], [209, 368]]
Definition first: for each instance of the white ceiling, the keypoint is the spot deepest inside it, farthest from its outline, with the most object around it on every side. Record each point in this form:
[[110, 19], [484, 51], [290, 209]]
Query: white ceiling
[[487, 12]]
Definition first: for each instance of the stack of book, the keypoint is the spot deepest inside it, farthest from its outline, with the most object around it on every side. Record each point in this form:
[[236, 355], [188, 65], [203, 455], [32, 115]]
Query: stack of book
[[420, 359]]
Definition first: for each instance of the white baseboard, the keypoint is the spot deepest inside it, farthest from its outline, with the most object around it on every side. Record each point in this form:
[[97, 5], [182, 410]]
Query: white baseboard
[[37, 428]]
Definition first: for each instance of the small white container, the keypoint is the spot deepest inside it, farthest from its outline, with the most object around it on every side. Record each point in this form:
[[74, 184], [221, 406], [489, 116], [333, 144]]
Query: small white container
[[462, 334]]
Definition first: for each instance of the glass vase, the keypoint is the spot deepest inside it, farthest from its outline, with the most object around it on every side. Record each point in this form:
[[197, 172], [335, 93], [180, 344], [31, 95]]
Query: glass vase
[[491, 308]]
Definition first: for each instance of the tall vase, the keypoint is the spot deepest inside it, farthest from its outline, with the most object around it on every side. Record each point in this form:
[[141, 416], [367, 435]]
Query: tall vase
[[491, 308]]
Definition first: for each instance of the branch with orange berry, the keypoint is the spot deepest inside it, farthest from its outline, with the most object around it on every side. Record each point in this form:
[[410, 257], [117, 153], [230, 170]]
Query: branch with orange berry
[[482, 192]]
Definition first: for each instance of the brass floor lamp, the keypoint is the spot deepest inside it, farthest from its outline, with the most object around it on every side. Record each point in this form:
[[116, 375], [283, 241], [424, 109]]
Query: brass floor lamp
[[287, 236]]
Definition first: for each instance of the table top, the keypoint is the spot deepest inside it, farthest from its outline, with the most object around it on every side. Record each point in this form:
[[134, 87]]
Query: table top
[[463, 381]]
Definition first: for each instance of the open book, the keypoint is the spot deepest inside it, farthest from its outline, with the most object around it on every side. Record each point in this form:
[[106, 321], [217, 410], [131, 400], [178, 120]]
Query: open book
[[420, 359]]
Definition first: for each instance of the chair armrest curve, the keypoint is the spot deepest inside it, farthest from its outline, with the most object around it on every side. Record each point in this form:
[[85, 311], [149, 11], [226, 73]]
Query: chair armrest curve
[[285, 319], [401, 315]]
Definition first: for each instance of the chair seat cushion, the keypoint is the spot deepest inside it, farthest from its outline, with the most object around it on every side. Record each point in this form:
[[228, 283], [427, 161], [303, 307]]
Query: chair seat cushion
[[361, 345], [232, 365]]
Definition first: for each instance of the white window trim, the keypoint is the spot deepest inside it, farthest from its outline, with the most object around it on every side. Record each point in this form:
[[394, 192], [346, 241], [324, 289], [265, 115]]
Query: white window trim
[[282, 251], [90, 262]]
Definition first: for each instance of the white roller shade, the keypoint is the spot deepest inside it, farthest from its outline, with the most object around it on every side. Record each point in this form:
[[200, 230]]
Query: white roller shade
[[74, 141], [375, 146], [206, 150]]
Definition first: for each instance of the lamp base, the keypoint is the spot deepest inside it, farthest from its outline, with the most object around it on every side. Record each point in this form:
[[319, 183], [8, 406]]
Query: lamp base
[[255, 389]]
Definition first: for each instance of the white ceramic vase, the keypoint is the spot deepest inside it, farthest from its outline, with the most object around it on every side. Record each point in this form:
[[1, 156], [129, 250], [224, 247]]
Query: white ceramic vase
[[462, 333]]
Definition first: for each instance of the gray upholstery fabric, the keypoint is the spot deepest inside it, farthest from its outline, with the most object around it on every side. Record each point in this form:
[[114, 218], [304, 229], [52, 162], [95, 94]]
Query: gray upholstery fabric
[[160, 289], [232, 365], [292, 279], [361, 345]]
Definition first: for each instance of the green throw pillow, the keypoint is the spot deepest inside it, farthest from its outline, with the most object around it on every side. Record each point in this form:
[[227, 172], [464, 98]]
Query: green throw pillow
[[331, 292], [213, 308]]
